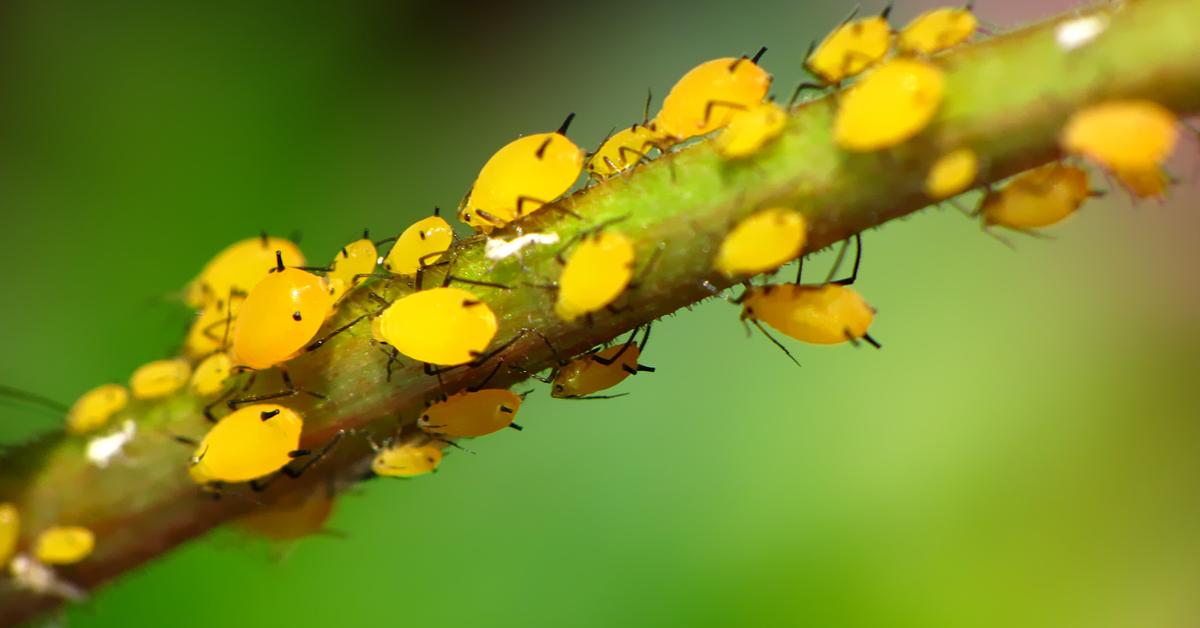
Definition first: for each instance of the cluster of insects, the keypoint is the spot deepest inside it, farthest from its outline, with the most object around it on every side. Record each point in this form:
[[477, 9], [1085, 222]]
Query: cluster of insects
[[258, 305]]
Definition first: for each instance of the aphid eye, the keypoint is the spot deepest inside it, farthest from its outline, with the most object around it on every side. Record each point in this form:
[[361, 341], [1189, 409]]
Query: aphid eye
[[422, 234], [296, 316], [558, 388]]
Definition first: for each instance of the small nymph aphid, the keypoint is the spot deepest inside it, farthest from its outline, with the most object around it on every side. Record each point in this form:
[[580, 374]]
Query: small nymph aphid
[[406, 460], [706, 98], [936, 30], [160, 378], [624, 149], [594, 274], [291, 517], [63, 545], [355, 260], [952, 173], [761, 242], [522, 176], [419, 246], [237, 268], [211, 374], [600, 370], [95, 407], [751, 129], [894, 102], [851, 48]]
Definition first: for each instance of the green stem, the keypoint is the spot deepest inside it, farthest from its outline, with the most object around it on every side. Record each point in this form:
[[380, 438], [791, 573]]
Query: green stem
[[1005, 97]]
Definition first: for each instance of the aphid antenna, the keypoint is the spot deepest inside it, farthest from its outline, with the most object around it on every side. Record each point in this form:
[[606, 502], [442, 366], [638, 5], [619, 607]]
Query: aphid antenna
[[594, 397], [587, 233], [774, 340], [857, 261], [453, 444], [853, 13], [34, 398], [529, 374], [646, 109]]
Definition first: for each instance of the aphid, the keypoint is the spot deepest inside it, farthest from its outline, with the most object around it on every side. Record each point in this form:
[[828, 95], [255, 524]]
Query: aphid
[[936, 30], [211, 374], [444, 326], [280, 317], [291, 517], [624, 149], [952, 173], [92, 410], [762, 241], [706, 98], [1150, 183], [251, 443], [63, 545], [10, 531], [522, 176], [237, 268], [210, 329], [420, 245], [354, 260], [1122, 135], [473, 412], [601, 370], [852, 47], [828, 313], [751, 129], [159, 378], [1037, 198], [595, 273], [888, 106], [406, 460]]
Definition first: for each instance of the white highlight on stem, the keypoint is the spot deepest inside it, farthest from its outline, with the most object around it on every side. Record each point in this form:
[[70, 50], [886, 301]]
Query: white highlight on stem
[[498, 249], [1075, 33], [102, 449]]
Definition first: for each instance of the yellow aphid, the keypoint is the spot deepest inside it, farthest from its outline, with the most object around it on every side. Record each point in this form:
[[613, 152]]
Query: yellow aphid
[[63, 545], [355, 259], [10, 531], [888, 106], [851, 48], [293, 516], [247, 444], [419, 246], [624, 150], [706, 98], [211, 374], [406, 460], [1037, 198], [237, 268], [212, 328], [937, 30], [160, 378], [521, 177], [1122, 135], [762, 241], [281, 315], [751, 129], [595, 273], [596, 372], [92, 410], [824, 314], [444, 326], [1149, 183], [471, 413], [952, 173]]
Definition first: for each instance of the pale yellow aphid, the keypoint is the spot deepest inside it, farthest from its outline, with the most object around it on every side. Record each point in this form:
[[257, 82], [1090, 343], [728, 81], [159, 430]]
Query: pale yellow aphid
[[952, 173], [894, 102], [762, 241], [406, 460], [421, 244], [751, 129], [706, 98], [444, 326], [355, 259], [824, 314], [211, 374], [852, 47], [159, 378], [595, 273], [63, 545], [92, 410], [1037, 198], [1151, 183], [936, 30], [624, 150], [237, 268], [1129, 135], [211, 330], [10, 531]]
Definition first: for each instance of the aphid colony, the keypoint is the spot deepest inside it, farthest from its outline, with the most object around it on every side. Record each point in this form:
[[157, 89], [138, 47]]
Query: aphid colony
[[258, 306]]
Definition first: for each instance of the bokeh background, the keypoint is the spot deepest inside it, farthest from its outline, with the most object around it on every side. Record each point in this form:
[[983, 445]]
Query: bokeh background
[[1024, 451]]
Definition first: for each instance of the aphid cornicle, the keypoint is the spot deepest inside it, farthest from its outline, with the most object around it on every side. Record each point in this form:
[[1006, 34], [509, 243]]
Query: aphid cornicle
[[355, 260], [280, 317], [936, 30], [751, 129], [828, 313], [63, 545], [1122, 135], [95, 407], [952, 173], [594, 274], [10, 531], [406, 460], [160, 378], [420, 245], [1037, 198], [854, 46], [706, 98], [894, 102], [248, 444], [444, 326], [761, 242], [522, 176], [601, 370], [238, 267]]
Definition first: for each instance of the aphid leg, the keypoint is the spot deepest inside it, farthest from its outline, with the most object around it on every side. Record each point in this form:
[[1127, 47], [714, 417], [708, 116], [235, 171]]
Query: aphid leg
[[800, 88], [312, 458], [481, 385], [1003, 240], [637, 153], [713, 104], [185, 440], [774, 340], [317, 344], [617, 356], [849, 281], [210, 406]]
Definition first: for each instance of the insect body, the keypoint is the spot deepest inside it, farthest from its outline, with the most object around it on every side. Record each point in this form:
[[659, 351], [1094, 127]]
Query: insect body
[[420, 245], [92, 410], [291, 517], [237, 268], [248, 444], [406, 460], [888, 106], [706, 98], [211, 374], [1122, 135], [471, 413], [354, 260], [852, 47], [601, 370], [160, 378], [761, 242], [936, 30], [595, 273], [281, 315], [1037, 198], [624, 149], [63, 545], [445, 326], [952, 173], [522, 176]]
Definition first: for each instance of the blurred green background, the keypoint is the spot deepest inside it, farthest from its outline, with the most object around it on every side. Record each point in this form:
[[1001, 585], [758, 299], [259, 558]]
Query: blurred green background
[[1022, 452]]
